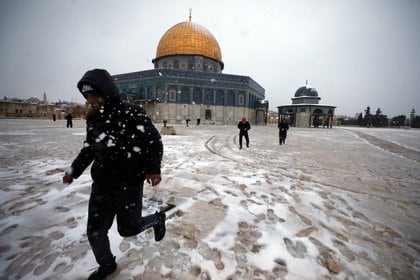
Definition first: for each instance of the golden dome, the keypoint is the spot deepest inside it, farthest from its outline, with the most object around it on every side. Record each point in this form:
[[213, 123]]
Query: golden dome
[[190, 39]]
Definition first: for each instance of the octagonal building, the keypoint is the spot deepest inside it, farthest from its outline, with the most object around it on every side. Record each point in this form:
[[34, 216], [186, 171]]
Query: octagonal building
[[187, 82], [305, 110]]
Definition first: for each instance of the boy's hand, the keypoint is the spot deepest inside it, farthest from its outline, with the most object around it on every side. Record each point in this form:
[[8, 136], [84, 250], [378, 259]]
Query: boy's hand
[[153, 179], [68, 179]]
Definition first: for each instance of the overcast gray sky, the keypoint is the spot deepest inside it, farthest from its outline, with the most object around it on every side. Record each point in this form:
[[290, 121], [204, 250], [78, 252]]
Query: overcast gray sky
[[356, 53]]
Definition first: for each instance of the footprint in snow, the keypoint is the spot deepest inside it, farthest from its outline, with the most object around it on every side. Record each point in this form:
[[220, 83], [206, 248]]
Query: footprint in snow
[[297, 250], [280, 269]]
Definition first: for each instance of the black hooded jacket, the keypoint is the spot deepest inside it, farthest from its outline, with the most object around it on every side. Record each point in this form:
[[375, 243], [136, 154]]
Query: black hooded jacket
[[244, 127], [283, 127], [121, 140]]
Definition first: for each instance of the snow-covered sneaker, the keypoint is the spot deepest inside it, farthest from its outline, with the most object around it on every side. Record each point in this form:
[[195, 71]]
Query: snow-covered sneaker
[[104, 270], [160, 228]]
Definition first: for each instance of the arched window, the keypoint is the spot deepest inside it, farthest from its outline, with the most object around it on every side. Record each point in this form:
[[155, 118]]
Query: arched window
[[230, 98], [208, 97], [220, 97], [176, 63], [185, 95], [159, 93], [318, 112], [198, 96], [241, 99], [141, 94], [172, 93]]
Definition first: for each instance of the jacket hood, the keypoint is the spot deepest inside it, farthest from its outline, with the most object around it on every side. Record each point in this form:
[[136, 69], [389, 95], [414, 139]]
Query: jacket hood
[[101, 82]]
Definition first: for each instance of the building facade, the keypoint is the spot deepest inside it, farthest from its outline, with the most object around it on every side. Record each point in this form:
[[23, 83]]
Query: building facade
[[27, 109], [13, 109], [187, 82], [306, 111]]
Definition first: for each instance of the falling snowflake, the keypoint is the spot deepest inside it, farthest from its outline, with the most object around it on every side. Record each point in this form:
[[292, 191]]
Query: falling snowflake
[[110, 143], [101, 137], [141, 128]]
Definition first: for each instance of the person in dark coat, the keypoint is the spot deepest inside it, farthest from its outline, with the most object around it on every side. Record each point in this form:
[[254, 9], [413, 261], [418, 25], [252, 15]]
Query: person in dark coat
[[243, 126], [69, 119], [283, 127], [126, 149]]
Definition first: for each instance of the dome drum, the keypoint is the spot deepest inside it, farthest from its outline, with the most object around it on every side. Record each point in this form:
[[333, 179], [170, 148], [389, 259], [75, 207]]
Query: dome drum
[[188, 62], [306, 100]]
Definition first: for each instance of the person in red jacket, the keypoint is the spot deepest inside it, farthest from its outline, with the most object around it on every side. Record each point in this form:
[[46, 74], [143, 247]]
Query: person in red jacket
[[243, 126], [126, 149]]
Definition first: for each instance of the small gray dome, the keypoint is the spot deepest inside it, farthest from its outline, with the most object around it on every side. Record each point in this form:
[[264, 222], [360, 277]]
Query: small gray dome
[[306, 91]]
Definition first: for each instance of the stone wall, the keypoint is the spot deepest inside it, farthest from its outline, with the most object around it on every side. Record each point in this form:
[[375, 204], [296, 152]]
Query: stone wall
[[25, 110], [208, 114], [10, 109]]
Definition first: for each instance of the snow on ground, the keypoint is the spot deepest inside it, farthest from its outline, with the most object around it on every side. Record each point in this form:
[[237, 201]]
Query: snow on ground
[[341, 203]]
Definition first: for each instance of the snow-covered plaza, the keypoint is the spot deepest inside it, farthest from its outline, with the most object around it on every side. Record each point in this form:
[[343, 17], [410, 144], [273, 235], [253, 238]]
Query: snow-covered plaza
[[340, 203]]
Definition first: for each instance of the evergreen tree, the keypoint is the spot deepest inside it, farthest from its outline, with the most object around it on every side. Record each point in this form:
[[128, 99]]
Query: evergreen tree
[[399, 120], [379, 119], [360, 119], [367, 119]]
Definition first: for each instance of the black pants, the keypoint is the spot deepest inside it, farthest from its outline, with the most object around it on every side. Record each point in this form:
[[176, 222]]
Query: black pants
[[282, 138], [115, 198], [243, 134]]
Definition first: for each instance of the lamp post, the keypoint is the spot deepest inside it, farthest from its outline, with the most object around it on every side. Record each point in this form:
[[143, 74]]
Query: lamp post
[[264, 103]]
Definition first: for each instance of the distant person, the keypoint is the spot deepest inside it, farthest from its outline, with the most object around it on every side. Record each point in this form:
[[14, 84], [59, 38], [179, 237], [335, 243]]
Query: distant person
[[54, 117], [243, 126], [126, 149], [69, 119], [327, 122], [165, 122], [187, 121], [283, 127], [198, 121]]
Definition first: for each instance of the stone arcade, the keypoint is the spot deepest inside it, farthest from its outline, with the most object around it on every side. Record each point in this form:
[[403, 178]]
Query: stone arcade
[[306, 111]]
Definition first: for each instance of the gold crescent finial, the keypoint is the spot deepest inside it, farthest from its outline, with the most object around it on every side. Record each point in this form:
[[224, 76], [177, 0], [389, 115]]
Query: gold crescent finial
[[190, 14]]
